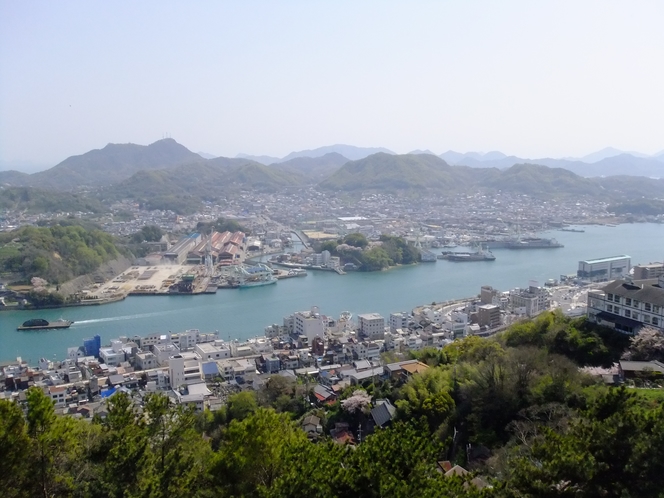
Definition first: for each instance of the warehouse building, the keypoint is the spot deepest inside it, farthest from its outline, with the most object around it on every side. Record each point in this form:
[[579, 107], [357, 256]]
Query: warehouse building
[[604, 269]]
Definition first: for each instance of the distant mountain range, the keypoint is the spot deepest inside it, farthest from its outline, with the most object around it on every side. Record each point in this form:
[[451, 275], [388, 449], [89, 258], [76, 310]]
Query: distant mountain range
[[606, 162], [166, 173], [348, 151]]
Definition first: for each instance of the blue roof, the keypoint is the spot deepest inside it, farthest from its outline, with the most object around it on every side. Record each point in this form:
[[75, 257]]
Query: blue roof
[[210, 368], [108, 393]]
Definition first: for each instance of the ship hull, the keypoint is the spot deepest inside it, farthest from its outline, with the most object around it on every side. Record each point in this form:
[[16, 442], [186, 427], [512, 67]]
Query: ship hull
[[61, 324]]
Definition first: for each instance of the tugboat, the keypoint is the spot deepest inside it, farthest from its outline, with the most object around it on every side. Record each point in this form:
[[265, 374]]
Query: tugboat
[[41, 324]]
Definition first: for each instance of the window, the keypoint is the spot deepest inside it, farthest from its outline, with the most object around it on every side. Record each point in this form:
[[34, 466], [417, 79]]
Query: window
[[655, 321], [609, 308], [655, 308], [646, 318], [628, 301], [628, 313], [635, 303], [647, 307], [609, 297]]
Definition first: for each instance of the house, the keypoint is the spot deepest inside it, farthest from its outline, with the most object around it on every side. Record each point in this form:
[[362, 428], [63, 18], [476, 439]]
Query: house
[[324, 395], [630, 369], [383, 412], [311, 425]]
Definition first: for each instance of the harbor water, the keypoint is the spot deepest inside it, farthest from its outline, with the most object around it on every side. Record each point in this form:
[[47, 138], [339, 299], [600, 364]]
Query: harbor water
[[244, 313]]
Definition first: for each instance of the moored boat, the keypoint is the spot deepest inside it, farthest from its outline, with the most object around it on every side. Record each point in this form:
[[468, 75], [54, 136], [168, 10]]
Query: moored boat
[[41, 324]]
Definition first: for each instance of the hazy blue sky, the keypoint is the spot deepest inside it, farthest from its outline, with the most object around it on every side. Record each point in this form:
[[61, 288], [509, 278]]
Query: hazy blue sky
[[535, 79]]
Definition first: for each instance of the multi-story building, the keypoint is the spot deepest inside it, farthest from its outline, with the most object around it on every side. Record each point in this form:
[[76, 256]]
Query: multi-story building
[[184, 369], [398, 321], [531, 301], [603, 269], [488, 315], [627, 305], [651, 270], [372, 325], [209, 351], [114, 355], [309, 324]]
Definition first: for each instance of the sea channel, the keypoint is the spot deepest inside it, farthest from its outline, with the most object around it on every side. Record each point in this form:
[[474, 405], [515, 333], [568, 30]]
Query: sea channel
[[244, 313]]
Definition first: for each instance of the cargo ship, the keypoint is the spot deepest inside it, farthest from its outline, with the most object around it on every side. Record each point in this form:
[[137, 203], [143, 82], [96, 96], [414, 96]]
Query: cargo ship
[[534, 243], [480, 255], [254, 276], [522, 243], [41, 324]]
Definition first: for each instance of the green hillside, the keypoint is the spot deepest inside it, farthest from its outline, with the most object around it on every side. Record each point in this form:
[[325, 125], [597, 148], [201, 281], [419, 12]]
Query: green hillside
[[313, 168], [536, 180], [57, 253], [182, 189], [36, 200], [398, 172]]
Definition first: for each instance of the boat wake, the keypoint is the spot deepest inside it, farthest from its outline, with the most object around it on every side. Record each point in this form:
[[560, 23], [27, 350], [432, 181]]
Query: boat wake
[[125, 317]]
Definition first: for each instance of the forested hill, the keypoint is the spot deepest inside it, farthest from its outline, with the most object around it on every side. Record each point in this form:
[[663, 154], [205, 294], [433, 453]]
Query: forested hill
[[35, 200], [109, 165], [398, 172], [182, 188], [57, 253]]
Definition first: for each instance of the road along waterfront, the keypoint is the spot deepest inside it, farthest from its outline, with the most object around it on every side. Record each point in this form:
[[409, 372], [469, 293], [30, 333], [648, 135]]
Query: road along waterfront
[[244, 313]]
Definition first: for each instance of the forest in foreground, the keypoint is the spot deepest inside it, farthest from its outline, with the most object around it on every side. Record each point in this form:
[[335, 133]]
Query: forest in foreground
[[517, 410]]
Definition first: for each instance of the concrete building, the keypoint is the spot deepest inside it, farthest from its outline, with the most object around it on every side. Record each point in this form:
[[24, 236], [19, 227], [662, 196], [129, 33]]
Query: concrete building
[[646, 272], [178, 253], [210, 351], [320, 259], [184, 370], [372, 325], [398, 321], [604, 269], [309, 324], [627, 305], [531, 301], [145, 361], [488, 315], [114, 355]]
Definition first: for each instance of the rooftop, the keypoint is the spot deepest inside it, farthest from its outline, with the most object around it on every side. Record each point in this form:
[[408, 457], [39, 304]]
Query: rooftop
[[605, 260]]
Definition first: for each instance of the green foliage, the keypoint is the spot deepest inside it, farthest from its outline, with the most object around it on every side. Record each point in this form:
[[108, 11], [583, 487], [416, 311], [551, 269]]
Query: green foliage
[[149, 233], [650, 207], [14, 450], [399, 251], [241, 405], [427, 395], [611, 449], [577, 339], [252, 455], [56, 253], [34, 200], [356, 240]]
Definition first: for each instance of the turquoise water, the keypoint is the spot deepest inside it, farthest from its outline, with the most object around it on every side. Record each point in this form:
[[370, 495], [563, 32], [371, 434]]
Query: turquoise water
[[244, 313]]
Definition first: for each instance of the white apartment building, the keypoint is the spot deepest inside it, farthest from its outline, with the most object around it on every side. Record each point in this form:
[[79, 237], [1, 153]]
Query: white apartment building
[[398, 321], [372, 325], [114, 355], [309, 324], [210, 351], [163, 353], [184, 370]]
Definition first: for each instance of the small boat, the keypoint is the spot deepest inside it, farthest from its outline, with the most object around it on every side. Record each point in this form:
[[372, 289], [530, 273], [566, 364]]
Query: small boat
[[41, 324]]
